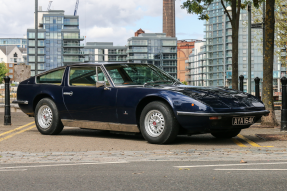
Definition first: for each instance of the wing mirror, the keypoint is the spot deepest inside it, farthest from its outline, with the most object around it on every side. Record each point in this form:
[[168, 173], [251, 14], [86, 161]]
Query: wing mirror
[[102, 84]]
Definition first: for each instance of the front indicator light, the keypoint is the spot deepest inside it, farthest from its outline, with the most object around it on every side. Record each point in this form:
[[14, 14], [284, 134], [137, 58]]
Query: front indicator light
[[214, 118]]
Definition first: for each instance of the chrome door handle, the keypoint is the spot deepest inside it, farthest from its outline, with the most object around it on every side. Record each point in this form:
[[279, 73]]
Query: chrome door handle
[[68, 93]]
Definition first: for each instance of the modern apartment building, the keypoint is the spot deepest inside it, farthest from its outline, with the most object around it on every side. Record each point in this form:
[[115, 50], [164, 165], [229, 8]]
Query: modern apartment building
[[59, 41], [215, 68], [104, 52], [154, 48], [19, 42]]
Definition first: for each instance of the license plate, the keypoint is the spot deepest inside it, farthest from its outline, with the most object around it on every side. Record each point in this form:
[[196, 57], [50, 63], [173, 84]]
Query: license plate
[[242, 120]]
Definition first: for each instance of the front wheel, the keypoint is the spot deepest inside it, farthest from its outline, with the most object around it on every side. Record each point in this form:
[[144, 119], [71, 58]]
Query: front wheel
[[47, 117], [226, 135], [158, 124]]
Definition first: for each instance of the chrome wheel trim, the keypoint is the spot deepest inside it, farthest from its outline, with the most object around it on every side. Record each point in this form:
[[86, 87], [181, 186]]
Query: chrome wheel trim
[[154, 123], [45, 117]]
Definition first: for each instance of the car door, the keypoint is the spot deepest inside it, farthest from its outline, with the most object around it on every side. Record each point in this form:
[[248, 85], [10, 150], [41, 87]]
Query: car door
[[84, 100]]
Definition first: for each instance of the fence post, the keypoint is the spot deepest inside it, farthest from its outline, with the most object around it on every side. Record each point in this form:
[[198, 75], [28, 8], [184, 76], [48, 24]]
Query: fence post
[[241, 77], [7, 115], [257, 81], [284, 104]]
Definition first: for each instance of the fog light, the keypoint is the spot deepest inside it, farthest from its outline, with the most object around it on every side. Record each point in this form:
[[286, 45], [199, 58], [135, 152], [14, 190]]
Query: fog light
[[214, 118]]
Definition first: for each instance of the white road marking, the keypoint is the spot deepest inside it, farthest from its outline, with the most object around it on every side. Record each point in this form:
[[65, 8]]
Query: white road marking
[[245, 164], [248, 169], [55, 165], [13, 170]]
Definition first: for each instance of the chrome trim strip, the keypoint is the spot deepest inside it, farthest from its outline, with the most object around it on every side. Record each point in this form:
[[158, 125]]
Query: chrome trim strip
[[20, 102], [232, 114], [107, 75], [101, 125]]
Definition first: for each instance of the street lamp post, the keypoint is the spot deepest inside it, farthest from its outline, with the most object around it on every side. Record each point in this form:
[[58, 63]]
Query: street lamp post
[[36, 37]]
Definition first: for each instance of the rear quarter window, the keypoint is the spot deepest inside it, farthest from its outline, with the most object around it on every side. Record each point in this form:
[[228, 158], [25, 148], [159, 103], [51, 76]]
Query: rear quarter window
[[54, 77]]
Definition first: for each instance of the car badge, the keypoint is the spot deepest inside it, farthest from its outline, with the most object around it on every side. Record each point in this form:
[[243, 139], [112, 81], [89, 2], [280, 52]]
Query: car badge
[[125, 113]]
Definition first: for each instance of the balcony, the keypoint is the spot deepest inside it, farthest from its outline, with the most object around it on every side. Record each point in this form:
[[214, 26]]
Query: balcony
[[169, 51], [73, 38], [71, 23], [72, 45], [117, 59], [136, 50], [117, 53], [172, 43], [131, 43], [73, 53], [74, 59], [136, 57]]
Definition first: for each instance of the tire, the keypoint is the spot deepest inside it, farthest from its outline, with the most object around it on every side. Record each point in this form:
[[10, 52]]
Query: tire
[[50, 123], [164, 127], [226, 135]]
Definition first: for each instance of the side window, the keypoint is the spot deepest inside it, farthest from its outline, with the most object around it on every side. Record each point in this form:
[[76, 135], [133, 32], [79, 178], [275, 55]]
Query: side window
[[102, 77], [83, 76], [54, 77]]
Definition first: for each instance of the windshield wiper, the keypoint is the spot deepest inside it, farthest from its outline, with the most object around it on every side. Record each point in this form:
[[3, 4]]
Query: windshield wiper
[[156, 82]]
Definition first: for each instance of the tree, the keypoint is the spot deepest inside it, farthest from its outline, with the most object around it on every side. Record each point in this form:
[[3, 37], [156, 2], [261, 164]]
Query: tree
[[267, 96], [200, 7], [280, 27], [184, 82], [3, 70]]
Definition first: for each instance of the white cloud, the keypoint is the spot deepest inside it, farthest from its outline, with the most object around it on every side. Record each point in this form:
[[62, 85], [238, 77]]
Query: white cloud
[[99, 19]]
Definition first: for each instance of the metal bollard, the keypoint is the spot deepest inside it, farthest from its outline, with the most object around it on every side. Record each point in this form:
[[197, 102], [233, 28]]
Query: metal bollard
[[241, 77], [257, 81], [7, 115], [284, 104]]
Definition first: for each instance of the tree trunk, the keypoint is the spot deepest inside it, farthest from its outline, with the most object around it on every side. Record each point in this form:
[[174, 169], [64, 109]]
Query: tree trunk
[[267, 96], [235, 28]]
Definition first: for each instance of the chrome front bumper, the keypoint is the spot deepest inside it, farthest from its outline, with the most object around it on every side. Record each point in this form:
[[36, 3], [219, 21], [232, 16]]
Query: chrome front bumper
[[232, 114]]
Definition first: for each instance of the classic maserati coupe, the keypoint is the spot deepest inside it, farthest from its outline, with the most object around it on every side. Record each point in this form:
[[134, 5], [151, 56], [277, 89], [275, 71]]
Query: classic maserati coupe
[[137, 98]]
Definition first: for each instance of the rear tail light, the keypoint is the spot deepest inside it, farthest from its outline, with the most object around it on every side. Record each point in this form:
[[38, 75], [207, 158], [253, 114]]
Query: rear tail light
[[214, 118]]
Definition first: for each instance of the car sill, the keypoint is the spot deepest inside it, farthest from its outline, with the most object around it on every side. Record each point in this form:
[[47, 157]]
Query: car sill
[[101, 125], [231, 114]]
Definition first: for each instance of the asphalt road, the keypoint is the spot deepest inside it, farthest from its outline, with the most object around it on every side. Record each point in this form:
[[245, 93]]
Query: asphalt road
[[228, 175]]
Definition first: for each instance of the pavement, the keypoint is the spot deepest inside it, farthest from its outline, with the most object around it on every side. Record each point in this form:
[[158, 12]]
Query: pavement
[[22, 143]]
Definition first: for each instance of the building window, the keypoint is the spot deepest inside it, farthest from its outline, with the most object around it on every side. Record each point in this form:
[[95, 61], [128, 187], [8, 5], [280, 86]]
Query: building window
[[11, 59], [11, 76], [1, 59], [244, 58], [244, 51], [10, 70], [15, 55], [10, 65]]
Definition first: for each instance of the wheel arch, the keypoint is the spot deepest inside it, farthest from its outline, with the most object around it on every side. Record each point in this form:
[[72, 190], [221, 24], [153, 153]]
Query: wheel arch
[[146, 101], [39, 97]]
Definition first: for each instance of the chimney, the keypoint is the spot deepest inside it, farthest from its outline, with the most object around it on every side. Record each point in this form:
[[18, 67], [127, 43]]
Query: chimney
[[169, 18]]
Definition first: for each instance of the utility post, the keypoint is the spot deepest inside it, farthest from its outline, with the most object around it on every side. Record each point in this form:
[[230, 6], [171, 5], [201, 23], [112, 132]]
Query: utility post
[[241, 78], [7, 114], [284, 105], [36, 37], [249, 48]]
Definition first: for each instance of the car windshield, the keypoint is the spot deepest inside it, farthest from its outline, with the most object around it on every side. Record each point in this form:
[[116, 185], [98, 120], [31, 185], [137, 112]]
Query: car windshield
[[138, 74]]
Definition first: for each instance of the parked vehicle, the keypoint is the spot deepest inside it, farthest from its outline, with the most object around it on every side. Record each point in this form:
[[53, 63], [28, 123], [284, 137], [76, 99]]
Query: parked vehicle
[[138, 98]]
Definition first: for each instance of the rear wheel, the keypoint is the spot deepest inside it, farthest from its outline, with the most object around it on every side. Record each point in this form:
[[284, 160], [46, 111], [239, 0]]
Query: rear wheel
[[47, 117], [226, 135], [158, 124]]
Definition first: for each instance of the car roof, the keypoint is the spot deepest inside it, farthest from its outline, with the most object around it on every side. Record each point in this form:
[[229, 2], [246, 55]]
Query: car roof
[[101, 63]]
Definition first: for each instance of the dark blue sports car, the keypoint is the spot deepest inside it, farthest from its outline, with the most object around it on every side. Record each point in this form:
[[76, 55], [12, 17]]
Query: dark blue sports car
[[138, 98]]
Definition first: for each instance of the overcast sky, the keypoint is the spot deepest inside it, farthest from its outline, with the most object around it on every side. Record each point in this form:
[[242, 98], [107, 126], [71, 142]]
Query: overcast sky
[[101, 20]]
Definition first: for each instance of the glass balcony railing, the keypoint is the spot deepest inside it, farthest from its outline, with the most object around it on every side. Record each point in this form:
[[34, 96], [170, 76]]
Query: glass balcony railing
[[131, 43], [74, 37], [74, 59], [137, 50], [136, 57], [117, 59], [71, 23], [120, 53], [74, 52], [73, 45]]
